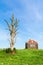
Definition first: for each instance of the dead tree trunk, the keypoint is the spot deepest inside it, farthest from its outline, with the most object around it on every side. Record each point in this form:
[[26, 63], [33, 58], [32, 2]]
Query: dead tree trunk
[[12, 38]]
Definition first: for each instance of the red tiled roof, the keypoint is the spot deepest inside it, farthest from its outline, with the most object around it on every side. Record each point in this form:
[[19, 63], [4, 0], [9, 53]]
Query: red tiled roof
[[32, 42]]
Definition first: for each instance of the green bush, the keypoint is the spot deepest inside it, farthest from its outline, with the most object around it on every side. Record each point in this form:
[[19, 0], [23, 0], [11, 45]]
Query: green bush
[[8, 50]]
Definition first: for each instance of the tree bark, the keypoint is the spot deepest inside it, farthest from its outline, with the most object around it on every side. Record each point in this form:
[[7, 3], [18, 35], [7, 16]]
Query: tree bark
[[12, 42], [12, 38]]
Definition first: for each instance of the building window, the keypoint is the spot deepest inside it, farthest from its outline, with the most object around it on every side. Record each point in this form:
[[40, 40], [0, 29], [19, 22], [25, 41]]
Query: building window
[[32, 45]]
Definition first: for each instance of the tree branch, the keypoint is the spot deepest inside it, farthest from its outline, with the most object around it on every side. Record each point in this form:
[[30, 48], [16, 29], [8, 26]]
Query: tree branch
[[9, 26]]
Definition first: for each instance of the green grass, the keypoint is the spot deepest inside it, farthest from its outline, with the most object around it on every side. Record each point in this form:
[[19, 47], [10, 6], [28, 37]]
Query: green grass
[[22, 57]]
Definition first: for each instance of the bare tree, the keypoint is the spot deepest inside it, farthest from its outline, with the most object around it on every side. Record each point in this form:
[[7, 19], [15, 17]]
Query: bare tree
[[12, 27]]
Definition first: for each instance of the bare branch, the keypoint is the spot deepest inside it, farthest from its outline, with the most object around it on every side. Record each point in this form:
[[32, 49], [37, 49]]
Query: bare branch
[[9, 26]]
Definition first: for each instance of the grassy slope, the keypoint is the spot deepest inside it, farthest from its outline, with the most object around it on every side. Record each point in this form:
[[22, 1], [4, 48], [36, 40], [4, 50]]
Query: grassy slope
[[22, 57]]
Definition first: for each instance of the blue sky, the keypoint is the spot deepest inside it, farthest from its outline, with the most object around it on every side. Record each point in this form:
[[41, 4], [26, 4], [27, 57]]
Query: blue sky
[[30, 16]]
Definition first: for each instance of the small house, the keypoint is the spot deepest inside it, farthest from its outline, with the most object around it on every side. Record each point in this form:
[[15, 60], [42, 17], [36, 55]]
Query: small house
[[31, 44]]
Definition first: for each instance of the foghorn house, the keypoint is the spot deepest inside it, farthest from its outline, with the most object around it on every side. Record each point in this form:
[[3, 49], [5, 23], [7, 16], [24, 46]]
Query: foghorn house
[[31, 44]]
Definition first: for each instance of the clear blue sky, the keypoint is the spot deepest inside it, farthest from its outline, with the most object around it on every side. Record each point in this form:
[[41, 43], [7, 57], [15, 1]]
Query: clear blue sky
[[30, 16]]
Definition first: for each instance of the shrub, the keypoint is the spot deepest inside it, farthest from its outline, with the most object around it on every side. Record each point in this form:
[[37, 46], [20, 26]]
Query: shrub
[[8, 50]]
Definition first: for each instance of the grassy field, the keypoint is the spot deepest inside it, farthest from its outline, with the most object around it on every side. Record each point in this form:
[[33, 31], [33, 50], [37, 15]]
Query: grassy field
[[22, 57]]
